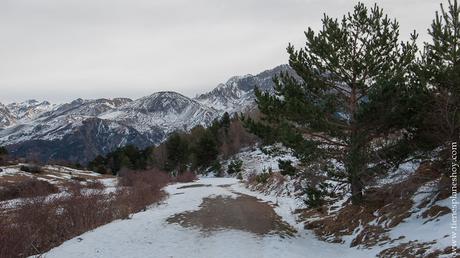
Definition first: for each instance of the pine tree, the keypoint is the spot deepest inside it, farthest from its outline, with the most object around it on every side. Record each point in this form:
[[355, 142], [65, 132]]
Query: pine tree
[[352, 93], [441, 71], [206, 149], [225, 122], [3, 151], [177, 152], [98, 165]]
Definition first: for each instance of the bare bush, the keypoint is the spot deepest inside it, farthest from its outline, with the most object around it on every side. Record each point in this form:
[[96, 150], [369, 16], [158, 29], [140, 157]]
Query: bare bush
[[237, 138], [29, 188], [185, 177], [95, 185], [41, 223], [143, 187]]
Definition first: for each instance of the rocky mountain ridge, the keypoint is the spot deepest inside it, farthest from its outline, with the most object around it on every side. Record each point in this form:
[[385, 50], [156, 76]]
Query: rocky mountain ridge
[[82, 129]]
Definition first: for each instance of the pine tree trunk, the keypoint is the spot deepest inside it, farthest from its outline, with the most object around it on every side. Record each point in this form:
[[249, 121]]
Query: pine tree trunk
[[355, 166], [356, 190], [355, 163]]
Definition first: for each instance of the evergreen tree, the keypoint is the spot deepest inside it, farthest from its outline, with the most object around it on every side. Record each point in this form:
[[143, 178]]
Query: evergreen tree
[[441, 71], [124, 162], [177, 152], [225, 122], [98, 165], [206, 149], [352, 93], [3, 151], [235, 166]]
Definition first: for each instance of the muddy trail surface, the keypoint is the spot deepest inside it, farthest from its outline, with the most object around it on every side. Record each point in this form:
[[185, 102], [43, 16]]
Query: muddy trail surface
[[210, 218], [243, 212]]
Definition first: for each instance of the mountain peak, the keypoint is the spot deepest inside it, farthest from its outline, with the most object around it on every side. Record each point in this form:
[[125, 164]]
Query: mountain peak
[[237, 94], [149, 119]]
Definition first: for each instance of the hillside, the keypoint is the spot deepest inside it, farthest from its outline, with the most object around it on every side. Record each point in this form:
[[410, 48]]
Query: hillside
[[269, 217]]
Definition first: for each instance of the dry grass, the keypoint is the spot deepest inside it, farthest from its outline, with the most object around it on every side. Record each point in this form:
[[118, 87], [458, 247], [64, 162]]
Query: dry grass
[[388, 206], [414, 249], [268, 182]]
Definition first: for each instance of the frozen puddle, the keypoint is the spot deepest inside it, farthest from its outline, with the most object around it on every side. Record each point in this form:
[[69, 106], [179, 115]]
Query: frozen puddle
[[211, 218]]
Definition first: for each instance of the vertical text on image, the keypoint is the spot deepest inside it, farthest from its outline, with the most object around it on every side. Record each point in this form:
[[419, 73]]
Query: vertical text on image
[[454, 178]]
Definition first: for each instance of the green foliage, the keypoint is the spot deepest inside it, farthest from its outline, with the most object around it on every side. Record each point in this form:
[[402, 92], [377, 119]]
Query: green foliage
[[205, 150], [286, 167], [315, 195], [440, 73], [197, 150], [3, 151], [129, 157], [235, 166], [177, 153], [225, 122], [34, 169], [263, 177], [98, 165], [216, 168], [349, 71]]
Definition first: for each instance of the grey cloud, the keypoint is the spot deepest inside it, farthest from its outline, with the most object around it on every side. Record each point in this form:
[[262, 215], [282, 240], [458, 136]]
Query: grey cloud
[[64, 49]]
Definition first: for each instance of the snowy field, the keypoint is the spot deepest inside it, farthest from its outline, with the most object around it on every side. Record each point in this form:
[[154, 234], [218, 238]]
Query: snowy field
[[148, 234]]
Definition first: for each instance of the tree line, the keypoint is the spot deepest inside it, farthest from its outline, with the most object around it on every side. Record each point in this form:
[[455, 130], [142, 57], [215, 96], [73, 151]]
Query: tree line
[[197, 150]]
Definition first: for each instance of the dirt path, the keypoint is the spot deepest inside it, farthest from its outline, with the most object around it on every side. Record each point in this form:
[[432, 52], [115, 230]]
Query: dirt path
[[211, 218], [242, 212]]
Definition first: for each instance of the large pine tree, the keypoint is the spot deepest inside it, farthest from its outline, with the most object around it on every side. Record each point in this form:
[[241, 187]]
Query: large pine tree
[[351, 103], [441, 72]]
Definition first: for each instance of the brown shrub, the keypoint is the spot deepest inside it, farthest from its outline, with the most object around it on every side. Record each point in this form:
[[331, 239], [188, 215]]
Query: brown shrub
[[252, 179], [185, 177], [436, 211], [29, 188], [79, 179], [143, 187], [411, 249], [95, 185], [39, 224], [73, 187], [237, 137]]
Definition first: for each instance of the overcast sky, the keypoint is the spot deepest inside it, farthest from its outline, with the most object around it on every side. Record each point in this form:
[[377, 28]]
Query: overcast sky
[[60, 50]]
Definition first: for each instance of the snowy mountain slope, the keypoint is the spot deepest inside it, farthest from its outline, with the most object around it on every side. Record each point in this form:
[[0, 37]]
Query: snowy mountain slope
[[28, 126], [58, 122], [237, 94], [83, 143], [164, 111], [83, 129], [29, 109], [6, 117]]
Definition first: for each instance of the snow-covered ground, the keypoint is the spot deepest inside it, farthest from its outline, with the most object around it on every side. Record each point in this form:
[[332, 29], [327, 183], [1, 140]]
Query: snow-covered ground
[[55, 175], [256, 162], [148, 234]]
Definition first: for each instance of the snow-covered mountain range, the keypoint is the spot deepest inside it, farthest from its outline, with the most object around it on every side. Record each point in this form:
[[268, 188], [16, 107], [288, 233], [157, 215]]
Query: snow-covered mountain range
[[82, 129]]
